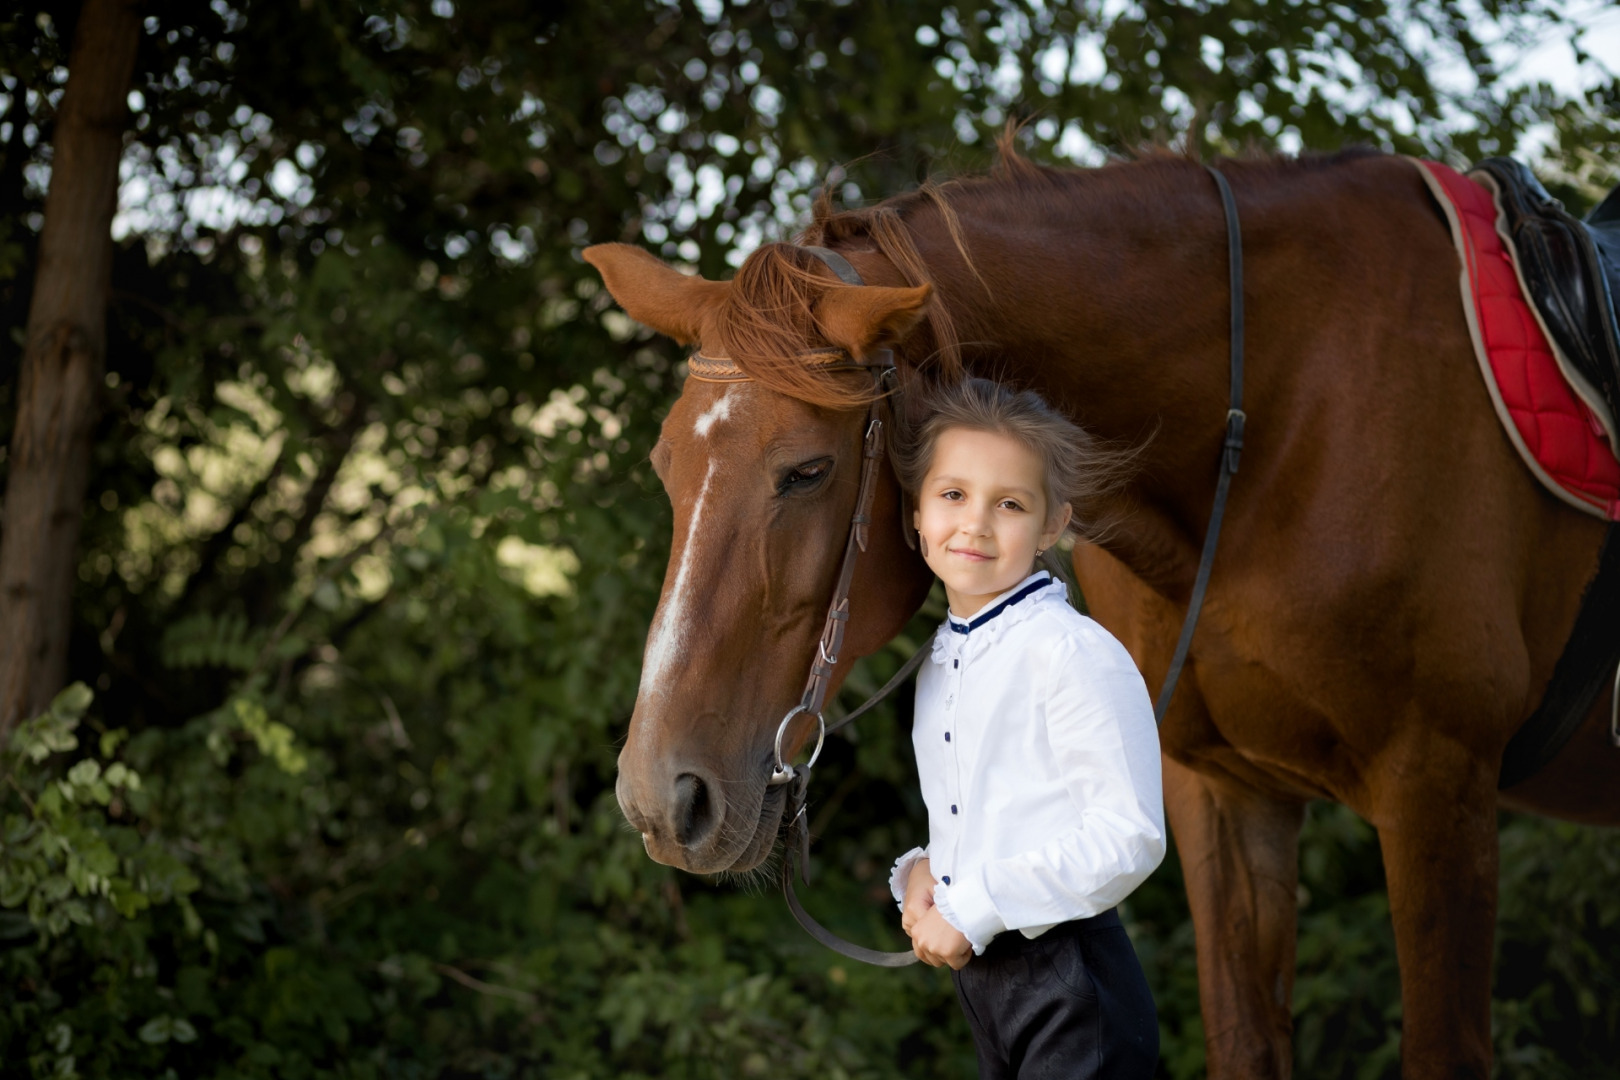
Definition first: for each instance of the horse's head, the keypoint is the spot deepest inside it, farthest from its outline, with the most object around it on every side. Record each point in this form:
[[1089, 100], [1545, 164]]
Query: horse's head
[[762, 474]]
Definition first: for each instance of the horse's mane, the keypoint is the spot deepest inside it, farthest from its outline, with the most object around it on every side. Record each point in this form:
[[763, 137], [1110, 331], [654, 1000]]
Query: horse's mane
[[768, 322]]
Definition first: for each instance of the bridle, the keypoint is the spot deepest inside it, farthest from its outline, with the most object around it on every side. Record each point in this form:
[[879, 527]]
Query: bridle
[[880, 364]]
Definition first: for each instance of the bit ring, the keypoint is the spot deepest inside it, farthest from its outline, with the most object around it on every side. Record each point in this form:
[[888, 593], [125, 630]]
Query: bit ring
[[783, 771]]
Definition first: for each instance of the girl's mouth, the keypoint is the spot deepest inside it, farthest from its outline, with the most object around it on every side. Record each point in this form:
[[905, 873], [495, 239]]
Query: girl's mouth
[[970, 555]]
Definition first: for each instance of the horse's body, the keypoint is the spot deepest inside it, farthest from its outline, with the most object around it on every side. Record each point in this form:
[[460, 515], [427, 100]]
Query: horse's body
[[1392, 587]]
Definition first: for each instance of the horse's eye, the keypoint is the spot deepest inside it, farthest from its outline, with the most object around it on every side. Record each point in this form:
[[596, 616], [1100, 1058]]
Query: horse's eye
[[802, 479]]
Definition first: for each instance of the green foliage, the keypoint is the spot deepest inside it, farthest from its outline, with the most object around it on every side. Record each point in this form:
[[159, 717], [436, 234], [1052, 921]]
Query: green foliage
[[206, 640], [372, 541], [62, 858]]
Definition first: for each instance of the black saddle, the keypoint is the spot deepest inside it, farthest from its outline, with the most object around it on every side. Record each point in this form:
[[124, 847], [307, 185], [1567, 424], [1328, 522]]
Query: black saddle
[[1571, 269]]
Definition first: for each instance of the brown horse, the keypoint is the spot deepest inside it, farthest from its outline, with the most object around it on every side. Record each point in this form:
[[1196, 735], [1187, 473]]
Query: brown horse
[[1392, 588]]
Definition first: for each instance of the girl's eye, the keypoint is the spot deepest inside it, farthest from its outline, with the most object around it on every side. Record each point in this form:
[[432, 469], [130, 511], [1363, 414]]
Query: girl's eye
[[954, 496], [804, 478], [1011, 504]]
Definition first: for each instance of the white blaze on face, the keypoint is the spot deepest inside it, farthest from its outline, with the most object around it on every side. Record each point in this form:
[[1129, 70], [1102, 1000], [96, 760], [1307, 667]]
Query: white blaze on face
[[720, 410], [668, 638]]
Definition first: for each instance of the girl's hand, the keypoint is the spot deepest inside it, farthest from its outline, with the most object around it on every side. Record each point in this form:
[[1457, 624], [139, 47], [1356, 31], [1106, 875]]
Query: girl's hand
[[937, 942], [919, 895]]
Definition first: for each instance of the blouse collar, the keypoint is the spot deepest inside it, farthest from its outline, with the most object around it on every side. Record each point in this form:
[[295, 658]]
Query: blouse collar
[[999, 614]]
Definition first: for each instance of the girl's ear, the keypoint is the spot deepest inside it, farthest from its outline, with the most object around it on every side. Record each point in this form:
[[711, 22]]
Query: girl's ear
[[1056, 524]]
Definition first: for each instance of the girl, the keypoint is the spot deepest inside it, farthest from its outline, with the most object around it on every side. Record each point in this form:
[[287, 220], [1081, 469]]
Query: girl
[[1036, 749]]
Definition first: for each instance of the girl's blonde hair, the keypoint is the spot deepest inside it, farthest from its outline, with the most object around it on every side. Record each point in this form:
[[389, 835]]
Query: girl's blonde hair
[[1076, 468]]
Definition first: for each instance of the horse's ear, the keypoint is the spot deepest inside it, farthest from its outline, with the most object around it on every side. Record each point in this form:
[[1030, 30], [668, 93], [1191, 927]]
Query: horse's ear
[[867, 317], [654, 293]]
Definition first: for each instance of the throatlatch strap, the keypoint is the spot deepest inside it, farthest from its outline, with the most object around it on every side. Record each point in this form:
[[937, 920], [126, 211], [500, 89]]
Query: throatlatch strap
[[1235, 419]]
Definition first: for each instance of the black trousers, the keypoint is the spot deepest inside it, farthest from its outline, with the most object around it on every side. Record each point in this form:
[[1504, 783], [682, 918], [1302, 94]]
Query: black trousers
[[1072, 1003]]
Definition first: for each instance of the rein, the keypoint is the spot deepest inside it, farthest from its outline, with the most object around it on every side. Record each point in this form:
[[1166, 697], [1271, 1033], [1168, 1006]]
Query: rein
[[881, 365]]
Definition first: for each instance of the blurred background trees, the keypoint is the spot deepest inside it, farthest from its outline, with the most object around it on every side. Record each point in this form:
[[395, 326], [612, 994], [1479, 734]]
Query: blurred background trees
[[370, 542]]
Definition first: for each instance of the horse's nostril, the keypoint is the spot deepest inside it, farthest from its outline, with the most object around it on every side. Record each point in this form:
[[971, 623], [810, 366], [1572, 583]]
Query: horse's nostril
[[695, 811]]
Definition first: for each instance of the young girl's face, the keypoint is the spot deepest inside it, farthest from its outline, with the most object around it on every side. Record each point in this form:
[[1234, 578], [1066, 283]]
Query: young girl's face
[[981, 515]]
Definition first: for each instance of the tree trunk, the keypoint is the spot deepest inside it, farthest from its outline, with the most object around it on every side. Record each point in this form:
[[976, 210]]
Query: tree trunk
[[60, 384]]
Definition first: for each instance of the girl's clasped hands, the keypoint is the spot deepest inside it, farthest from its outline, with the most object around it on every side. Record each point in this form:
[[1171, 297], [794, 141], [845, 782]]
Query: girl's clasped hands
[[935, 941]]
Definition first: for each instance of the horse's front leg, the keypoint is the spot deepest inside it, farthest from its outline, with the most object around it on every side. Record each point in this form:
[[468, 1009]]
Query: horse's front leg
[[1239, 853], [1437, 826]]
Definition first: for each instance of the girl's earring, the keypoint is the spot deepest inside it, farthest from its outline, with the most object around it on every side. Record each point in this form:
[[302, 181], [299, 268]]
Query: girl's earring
[[1039, 552], [922, 545]]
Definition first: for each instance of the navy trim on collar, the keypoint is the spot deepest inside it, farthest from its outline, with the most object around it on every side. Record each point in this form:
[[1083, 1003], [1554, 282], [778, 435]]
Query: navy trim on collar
[[985, 616]]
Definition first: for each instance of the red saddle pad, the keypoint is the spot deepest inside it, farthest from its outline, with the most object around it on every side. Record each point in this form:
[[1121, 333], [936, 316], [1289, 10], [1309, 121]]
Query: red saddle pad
[[1559, 436]]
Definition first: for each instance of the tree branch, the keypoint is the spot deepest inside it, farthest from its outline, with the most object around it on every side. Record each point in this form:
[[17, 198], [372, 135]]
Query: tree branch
[[483, 987], [217, 544]]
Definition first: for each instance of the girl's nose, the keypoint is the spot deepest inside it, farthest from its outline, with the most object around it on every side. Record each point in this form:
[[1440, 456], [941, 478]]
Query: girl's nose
[[977, 521]]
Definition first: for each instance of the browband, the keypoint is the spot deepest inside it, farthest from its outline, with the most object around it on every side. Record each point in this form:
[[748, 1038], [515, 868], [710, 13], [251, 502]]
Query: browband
[[724, 369]]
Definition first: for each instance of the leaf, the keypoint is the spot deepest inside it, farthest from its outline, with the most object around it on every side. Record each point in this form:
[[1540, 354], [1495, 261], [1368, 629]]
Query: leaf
[[45, 735], [84, 773], [14, 888], [156, 1031], [112, 740], [206, 639], [274, 740], [72, 702]]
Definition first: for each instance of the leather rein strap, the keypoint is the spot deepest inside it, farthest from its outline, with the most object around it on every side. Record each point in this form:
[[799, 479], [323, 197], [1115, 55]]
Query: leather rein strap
[[1235, 419]]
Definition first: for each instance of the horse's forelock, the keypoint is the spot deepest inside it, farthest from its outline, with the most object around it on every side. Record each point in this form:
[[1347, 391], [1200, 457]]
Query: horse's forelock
[[768, 322], [767, 325]]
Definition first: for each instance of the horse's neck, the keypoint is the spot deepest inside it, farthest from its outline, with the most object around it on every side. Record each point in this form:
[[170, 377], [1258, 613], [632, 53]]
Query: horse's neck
[[1116, 310]]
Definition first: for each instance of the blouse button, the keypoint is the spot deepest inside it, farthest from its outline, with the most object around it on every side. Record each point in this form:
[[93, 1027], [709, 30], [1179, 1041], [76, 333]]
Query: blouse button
[[947, 736], [946, 879], [953, 808]]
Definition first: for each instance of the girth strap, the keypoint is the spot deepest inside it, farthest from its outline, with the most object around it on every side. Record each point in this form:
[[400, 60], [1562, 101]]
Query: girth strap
[[1235, 419], [1580, 674]]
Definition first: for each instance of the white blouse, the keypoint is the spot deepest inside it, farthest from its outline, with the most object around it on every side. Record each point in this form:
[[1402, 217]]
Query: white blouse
[[1039, 762]]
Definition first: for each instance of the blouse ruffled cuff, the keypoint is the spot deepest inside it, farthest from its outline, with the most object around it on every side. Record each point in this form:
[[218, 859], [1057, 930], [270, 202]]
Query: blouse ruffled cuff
[[966, 905], [902, 873]]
